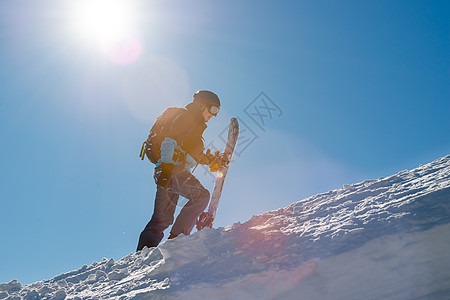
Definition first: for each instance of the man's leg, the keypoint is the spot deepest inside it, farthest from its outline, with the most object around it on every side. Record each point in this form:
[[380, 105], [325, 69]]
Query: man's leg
[[186, 185], [165, 204]]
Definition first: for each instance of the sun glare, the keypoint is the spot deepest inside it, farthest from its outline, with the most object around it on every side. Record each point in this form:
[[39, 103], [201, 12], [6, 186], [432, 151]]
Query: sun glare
[[109, 25], [103, 20]]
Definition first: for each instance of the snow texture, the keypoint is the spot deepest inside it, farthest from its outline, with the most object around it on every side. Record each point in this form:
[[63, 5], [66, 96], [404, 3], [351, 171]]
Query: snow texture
[[378, 239]]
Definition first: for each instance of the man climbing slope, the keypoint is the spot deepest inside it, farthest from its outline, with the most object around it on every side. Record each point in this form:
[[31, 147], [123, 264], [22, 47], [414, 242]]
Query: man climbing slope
[[175, 145]]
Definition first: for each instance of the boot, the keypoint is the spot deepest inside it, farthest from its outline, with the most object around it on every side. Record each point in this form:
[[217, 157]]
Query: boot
[[172, 236]]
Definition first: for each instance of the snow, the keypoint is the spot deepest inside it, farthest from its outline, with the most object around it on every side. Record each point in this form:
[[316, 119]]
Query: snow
[[378, 239]]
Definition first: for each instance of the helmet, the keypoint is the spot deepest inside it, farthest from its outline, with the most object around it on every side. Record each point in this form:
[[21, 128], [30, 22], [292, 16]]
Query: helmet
[[209, 99]]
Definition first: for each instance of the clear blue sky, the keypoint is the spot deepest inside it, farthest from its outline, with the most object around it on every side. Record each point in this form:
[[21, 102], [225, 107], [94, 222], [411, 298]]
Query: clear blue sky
[[362, 89]]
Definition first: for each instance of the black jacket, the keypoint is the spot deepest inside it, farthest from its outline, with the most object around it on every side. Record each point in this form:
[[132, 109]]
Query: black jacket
[[187, 129]]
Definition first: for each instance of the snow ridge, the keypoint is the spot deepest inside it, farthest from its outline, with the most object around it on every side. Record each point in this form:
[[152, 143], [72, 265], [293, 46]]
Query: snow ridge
[[387, 238]]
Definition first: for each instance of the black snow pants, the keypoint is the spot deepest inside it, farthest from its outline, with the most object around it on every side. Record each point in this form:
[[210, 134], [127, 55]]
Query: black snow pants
[[183, 184]]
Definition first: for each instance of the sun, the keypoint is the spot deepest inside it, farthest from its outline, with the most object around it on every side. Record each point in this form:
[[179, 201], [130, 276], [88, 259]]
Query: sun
[[103, 20], [109, 25]]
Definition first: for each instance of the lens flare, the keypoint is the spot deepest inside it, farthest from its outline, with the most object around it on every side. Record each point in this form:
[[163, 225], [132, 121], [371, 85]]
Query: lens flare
[[124, 52]]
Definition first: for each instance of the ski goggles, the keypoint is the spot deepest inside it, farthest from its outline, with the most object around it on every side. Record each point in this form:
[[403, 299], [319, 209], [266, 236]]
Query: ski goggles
[[214, 110]]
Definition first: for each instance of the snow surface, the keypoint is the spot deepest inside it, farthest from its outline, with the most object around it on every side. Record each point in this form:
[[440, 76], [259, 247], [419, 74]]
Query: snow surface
[[378, 239]]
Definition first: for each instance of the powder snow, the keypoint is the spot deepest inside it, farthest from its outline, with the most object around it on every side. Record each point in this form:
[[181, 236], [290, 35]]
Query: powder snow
[[378, 239]]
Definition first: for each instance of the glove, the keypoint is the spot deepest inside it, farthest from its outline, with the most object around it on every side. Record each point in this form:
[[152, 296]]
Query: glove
[[214, 161], [203, 159], [214, 166], [167, 150]]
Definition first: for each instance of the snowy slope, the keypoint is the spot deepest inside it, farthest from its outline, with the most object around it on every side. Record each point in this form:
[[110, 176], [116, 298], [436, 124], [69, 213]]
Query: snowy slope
[[378, 239]]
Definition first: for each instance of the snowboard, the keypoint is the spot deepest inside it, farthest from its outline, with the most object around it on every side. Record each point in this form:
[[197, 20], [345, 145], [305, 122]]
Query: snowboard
[[206, 219]]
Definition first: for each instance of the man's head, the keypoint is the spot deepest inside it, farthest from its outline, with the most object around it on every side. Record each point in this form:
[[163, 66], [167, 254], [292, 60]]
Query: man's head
[[211, 103]]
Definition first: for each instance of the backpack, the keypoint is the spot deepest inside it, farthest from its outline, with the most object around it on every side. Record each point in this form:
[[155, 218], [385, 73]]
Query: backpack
[[152, 146]]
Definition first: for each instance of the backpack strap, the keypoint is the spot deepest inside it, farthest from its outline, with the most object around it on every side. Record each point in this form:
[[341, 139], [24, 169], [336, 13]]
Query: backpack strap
[[144, 146]]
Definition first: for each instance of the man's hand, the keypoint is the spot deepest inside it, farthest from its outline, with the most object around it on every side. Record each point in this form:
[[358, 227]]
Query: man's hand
[[215, 161], [214, 167]]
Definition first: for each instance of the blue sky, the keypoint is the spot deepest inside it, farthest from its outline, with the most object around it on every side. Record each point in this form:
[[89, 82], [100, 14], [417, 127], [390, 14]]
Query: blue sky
[[362, 89]]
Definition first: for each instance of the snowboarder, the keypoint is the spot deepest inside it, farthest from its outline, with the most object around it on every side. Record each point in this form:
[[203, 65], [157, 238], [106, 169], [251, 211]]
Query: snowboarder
[[179, 149]]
